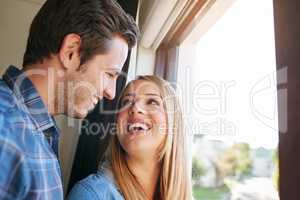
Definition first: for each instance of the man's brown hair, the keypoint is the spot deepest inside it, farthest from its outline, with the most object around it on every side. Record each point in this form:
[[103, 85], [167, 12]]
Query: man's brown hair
[[95, 21]]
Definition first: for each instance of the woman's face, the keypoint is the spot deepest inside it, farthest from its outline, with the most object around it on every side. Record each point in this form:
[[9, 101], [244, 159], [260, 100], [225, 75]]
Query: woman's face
[[142, 119]]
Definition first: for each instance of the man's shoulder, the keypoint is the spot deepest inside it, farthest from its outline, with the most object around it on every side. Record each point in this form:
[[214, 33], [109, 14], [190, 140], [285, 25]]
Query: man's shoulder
[[17, 130], [12, 109], [7, 98]]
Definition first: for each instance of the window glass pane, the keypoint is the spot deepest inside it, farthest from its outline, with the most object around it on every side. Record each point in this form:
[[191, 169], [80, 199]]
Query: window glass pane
[[233, 106]]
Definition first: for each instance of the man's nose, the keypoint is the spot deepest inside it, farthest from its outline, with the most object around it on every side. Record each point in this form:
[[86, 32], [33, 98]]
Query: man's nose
[[110, 91]]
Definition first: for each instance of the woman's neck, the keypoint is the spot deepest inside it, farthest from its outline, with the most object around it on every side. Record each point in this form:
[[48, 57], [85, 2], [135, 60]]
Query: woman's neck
[[147, 172]]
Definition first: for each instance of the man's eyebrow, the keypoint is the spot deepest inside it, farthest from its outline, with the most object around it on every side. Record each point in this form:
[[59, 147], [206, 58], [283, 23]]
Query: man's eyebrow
[[115, 70], [117, 73]]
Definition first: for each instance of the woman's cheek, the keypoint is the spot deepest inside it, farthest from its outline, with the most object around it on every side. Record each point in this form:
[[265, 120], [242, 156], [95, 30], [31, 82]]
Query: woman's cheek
[[121, 123], [160, 122]]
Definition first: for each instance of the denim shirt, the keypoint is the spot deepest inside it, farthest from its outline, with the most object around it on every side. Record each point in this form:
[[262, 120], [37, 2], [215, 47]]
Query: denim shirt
[[99, 186], [29, 168]]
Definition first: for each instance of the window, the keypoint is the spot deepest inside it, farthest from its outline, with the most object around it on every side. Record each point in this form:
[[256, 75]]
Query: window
[[227, 78]]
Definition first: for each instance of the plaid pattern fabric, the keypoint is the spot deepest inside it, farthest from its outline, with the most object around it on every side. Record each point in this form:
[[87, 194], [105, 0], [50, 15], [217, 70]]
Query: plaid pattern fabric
[[29, 168]]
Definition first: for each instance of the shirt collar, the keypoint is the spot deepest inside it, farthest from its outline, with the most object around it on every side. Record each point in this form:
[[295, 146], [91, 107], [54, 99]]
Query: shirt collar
[[25, 91]]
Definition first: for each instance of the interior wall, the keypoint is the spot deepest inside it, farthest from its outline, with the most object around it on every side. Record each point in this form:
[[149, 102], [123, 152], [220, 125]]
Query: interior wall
[[142, 60], [70, 132], [145, 61], [15, 19], [145, 8], [145, 57]]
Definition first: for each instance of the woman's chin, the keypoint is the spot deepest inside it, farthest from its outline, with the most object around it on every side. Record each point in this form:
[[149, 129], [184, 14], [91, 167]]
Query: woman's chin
[[138, 149]]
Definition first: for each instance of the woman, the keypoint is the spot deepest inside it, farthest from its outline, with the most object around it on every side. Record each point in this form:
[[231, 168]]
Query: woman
[[148, 153]]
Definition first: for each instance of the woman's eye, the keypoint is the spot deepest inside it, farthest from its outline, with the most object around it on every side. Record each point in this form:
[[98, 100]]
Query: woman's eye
[[153, 102], [126, 102]]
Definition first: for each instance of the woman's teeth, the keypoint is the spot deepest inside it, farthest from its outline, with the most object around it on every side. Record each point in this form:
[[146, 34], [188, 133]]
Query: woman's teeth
[[137, 127]]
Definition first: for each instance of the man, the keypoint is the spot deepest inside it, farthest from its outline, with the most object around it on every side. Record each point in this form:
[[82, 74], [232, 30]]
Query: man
[[75, 52]]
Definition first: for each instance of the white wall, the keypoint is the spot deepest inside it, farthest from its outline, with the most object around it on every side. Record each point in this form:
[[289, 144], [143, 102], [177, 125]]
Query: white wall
[[144, 57], [15, 19], [70, 131], [145, 61]]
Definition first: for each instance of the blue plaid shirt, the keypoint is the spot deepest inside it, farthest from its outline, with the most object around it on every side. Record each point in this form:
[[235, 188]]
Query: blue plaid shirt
[[29, 168]]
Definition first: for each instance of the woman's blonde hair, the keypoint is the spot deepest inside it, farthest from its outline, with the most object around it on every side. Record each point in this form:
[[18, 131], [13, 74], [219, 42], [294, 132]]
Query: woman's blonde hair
[[174, 181]]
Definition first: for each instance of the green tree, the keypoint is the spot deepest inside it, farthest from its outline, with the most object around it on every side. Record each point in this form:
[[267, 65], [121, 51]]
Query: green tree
[[197, 170], [275, 176], [235, 161]]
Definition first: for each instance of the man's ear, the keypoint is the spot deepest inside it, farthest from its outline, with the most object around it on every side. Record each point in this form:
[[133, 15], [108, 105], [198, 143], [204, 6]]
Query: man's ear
[[69, 52]]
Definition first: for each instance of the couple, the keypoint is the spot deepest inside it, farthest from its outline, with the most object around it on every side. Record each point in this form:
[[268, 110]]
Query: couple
[[74, 55]]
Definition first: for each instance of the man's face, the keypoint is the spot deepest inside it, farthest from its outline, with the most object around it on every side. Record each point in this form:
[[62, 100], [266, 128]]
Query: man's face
[[95, 79]]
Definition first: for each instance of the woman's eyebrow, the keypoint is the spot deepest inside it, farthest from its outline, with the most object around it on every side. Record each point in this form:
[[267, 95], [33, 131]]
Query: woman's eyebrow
[[147, 94], [130, 94], [153, 94]]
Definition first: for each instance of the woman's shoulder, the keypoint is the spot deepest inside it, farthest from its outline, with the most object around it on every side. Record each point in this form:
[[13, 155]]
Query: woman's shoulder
[[98, 186]]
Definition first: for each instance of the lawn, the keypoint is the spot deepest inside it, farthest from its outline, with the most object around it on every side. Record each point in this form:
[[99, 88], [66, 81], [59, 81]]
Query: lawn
[[209, 193]]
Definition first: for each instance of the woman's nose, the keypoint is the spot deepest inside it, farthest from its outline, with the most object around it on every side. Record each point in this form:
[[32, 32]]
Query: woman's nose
[[136, 108]]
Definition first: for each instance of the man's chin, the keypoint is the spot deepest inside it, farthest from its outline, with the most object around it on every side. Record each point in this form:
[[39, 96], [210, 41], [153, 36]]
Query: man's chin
[[78, 114]]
